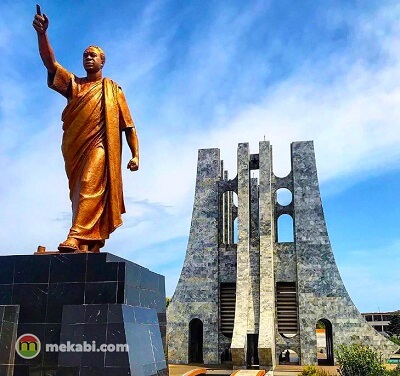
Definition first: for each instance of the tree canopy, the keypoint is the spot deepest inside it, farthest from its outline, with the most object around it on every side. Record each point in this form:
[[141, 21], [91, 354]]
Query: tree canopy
[[394, 324]]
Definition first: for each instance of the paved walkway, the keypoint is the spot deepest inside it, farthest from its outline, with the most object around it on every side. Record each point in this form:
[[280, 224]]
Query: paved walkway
[[179, 370]]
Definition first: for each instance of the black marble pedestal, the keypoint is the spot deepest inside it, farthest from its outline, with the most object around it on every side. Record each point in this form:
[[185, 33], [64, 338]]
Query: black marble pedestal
[[79, 298], [8, 335]]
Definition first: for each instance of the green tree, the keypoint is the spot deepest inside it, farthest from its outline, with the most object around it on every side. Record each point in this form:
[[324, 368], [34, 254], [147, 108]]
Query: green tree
[[394, 324], [395, 339], [167, 301], [359, 360]]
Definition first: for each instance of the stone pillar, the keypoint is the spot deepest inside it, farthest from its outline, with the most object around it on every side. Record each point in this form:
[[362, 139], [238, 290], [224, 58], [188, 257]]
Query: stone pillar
[[266, 341], [197, 292], [239, 339], [254, 290]]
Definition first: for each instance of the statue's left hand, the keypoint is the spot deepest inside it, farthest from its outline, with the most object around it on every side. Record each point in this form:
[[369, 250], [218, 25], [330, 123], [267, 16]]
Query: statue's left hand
[[133, 164]]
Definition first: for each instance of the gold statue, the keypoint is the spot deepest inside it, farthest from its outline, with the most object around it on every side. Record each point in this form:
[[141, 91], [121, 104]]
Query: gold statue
[[93, 121]]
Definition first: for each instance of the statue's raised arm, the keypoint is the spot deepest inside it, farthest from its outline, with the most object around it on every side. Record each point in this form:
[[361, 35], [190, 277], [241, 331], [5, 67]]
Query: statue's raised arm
[[40, 24]]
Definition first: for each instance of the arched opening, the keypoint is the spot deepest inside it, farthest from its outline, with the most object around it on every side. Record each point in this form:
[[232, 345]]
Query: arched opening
[[284, 196], [196, 341], [289, 357], [324, 336], [285, 228], [281, 161], [229, 214], [226, 356], [235, 231]]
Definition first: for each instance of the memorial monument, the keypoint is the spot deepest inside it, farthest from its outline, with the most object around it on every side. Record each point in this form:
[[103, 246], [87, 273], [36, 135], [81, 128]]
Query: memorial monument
[[248, 302], [76, 311]]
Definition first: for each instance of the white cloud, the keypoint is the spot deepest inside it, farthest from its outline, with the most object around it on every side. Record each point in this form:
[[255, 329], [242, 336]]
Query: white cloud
[[354, 123]]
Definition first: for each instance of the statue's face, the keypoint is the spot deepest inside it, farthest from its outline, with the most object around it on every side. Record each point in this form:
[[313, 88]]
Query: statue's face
[[92, 60]]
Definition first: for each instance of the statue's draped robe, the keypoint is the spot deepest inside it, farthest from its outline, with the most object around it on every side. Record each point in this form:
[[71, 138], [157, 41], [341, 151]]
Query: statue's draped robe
[[93, 120]]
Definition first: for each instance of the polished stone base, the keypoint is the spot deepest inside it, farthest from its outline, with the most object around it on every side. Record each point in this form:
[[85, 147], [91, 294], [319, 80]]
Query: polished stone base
[[8, 335], [93, 299]]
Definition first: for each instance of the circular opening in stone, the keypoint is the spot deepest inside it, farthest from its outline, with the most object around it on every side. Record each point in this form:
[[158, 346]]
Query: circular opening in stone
[[283, 196]]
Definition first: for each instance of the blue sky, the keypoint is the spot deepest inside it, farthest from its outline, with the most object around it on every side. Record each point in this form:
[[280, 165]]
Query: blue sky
[[205, 74]]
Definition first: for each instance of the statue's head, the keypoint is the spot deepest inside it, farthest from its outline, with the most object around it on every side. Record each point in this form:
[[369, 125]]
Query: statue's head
[[94, 59]]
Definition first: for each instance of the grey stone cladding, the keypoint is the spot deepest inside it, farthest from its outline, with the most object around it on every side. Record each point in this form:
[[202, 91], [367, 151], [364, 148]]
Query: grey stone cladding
[[197, 294], [257, 265]]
